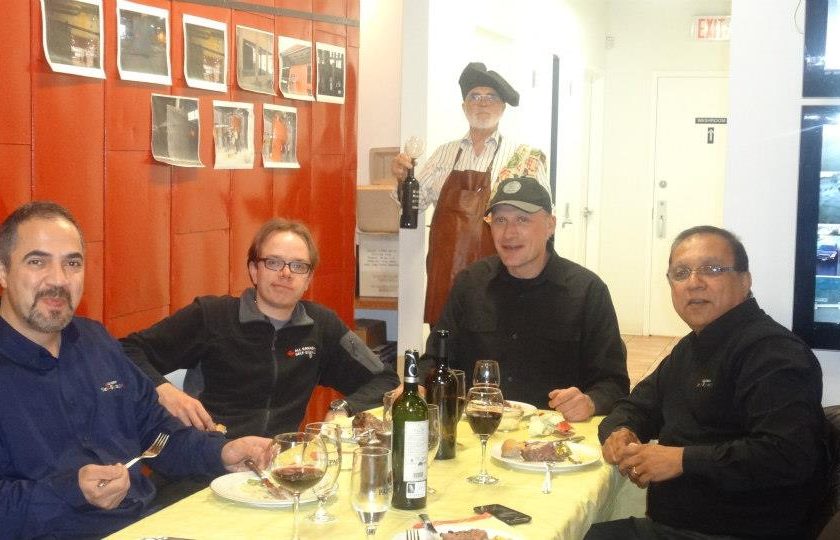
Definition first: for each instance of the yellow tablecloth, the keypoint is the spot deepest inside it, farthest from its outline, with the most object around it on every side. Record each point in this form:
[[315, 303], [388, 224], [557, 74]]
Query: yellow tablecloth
[[579, 498]]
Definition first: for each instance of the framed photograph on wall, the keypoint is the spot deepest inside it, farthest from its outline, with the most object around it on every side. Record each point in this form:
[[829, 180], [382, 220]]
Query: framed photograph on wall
[[255, 60], [175, 130], [821, 71], [816, 302], [294, 58], [143, 43], [72, 31], [233, 134], [205, 53], [280, 137], [331, 73]]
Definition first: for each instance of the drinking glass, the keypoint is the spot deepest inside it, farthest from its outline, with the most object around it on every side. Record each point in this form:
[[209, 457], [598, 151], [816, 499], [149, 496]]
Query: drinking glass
[[485, 405], [434, 441], [486, 373], [371, 486], [331, 433], [298, 462], [461, 378]]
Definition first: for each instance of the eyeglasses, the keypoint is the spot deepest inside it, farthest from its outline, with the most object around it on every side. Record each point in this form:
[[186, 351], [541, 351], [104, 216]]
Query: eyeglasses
[[486, 98], [276, 265], [682, 273]]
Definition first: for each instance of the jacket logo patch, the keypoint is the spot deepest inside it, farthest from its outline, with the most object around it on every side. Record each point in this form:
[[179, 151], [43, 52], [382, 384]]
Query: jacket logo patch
[[705, 383], [110, 386], [308, 351]]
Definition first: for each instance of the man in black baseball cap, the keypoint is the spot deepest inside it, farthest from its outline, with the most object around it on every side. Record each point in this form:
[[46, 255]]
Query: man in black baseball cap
[[549, 322], [459, 176]]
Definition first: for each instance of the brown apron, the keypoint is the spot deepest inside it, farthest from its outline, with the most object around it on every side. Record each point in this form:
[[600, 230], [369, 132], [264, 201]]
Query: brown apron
[[458, 235]]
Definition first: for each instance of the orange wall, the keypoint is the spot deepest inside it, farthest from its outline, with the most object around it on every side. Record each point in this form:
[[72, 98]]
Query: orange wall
[[157, 235]]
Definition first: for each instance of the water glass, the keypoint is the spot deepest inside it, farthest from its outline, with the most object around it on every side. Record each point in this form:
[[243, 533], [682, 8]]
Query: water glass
[[326, 488], [371, 486]]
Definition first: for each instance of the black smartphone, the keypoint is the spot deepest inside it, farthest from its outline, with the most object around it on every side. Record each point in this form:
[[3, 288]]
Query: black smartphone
[[503, 513]]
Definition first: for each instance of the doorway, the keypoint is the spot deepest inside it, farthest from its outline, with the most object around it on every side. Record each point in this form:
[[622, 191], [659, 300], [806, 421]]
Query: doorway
[[688, 177]]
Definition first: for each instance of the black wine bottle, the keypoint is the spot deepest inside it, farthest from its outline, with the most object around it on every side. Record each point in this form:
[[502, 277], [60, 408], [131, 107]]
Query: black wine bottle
[[410, 199], [442, 390], [410, 441]]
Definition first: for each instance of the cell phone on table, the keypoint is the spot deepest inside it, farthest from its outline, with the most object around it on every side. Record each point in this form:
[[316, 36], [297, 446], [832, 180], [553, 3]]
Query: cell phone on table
[[503, 513]]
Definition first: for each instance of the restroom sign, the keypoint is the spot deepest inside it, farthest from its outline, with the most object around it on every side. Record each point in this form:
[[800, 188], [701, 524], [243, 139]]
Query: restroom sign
[[710, 120]]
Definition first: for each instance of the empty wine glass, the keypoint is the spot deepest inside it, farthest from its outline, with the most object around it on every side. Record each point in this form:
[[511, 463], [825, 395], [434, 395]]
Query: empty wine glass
[[414, 147], [371, 486], [461, 378], [485, 405], [298, 462], [331, 433], [486, 373], [434, 440]]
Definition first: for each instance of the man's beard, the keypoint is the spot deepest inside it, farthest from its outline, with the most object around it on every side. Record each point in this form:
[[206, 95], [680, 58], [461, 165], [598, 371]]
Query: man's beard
[[56, 319]]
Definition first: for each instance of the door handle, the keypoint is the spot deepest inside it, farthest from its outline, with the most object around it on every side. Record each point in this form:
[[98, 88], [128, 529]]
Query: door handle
[[661, 218], [566, 219]]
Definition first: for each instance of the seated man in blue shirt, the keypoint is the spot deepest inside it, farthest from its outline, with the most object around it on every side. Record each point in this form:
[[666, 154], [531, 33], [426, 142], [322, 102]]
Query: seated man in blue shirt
[[72, 406]]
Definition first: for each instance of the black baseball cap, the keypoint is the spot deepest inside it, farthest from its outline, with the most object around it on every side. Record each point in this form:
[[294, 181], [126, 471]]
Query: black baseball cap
[[522, 192]]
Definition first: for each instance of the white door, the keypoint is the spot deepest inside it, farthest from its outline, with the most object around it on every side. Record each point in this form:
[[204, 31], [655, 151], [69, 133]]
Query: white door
[[688, 175]]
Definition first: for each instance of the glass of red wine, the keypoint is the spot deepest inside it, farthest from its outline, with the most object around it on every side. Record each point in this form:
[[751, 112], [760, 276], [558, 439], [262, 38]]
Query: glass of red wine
[[486, 373], [485, 405], [298, 462]]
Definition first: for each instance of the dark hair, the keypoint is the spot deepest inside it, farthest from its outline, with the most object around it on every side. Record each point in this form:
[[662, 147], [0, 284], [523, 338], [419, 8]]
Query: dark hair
[[742, 262], [283, 225], [29, 211]]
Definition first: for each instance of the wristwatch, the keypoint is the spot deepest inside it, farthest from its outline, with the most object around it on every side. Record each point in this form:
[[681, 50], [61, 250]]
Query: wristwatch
[[337, 405]]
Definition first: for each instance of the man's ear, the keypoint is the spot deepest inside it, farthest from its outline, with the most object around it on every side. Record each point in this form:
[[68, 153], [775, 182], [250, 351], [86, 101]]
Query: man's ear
[[252, 272], [3, 274]]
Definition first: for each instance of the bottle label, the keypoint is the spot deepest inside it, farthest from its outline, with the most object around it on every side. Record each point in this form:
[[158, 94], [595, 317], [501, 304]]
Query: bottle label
[[415, 456]]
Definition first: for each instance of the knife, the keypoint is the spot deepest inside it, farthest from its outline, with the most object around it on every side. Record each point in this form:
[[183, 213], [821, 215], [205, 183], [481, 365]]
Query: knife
[[428, 523], [268, 484]]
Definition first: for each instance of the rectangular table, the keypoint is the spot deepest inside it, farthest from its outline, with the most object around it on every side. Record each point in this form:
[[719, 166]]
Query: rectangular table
[[579, 498]]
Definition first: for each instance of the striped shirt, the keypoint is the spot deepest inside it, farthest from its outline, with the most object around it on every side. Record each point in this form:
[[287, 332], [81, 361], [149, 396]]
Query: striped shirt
[[513, 159]]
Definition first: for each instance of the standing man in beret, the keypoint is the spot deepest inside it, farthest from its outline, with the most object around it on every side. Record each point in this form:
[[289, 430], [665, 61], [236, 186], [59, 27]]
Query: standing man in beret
[[459, 177]]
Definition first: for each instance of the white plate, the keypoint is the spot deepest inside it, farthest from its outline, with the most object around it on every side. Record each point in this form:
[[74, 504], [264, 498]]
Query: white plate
[[235, 487], [493, 534], [527, 408], [583, 453]]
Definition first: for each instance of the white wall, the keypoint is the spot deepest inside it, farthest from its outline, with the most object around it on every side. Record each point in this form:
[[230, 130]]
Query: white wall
[[648, 37], [761, 188]]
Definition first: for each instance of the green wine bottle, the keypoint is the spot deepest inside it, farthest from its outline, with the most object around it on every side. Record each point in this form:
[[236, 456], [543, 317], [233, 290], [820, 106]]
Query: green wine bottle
[[442, 390], [410, 441]]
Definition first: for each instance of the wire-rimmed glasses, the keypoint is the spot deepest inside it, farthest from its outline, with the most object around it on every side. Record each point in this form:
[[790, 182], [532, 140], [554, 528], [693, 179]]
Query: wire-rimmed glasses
[[326, 488]]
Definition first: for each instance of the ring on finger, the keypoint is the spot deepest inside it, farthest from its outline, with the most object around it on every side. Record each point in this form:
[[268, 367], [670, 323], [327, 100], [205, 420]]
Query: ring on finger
[[633, 471]]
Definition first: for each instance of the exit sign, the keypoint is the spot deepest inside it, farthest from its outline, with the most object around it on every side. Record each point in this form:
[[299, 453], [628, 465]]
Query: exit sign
[[711, 28]]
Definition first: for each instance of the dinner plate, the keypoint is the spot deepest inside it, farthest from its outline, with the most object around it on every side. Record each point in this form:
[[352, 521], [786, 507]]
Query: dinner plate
[[587, 455], [493, 534], [527, 408], [236, 487]]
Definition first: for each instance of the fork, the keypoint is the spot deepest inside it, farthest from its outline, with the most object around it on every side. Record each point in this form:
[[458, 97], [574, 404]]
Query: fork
[[412, 534], [152, 451], [546, 487]]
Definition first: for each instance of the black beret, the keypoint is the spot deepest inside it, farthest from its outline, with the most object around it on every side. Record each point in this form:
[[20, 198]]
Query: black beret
[[476, 74]]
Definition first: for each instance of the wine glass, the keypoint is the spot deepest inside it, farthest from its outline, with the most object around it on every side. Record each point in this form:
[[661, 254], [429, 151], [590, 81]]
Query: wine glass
[[434, 440], [414, 147], [485, 405], [461, 378], [298, 462], [371, 485], [331, 433], [486, 373]]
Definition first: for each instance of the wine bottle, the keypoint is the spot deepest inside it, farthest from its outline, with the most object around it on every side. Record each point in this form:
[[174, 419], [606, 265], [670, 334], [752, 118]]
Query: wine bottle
[[410, 199], [410, 441], [442, 390]]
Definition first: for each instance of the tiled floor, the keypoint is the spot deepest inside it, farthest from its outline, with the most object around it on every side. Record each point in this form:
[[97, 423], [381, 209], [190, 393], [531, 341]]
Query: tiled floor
[[644, 353]]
